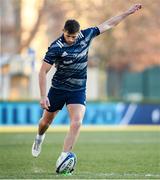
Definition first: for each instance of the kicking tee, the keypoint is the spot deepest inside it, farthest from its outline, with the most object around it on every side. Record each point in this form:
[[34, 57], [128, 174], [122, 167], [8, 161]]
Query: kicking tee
[[71, 60]]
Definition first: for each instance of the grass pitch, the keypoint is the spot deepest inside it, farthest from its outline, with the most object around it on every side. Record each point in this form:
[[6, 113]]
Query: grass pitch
[[101, 155]]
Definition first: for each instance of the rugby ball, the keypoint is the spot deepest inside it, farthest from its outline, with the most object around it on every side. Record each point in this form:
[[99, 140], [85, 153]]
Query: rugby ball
[[66, 163]]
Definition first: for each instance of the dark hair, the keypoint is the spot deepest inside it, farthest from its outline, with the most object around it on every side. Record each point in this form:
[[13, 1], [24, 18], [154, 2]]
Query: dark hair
[[72, 26]]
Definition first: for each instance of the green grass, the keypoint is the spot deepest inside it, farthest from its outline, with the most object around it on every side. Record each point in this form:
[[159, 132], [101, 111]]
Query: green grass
[[101, 155]]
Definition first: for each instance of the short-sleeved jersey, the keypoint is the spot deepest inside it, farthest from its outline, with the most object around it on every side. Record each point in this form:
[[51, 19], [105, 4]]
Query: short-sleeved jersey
[[71, 60]]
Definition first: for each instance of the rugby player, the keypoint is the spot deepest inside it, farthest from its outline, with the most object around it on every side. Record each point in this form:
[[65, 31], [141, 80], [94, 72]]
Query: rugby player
[[69, 53]]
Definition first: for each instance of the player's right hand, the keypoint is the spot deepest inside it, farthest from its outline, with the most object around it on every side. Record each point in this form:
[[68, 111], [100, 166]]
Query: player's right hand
[[44, 102], [134, 8]]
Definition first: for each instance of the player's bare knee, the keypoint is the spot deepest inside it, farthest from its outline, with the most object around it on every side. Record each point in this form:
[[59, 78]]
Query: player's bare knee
[[76, 124], [77, 117]]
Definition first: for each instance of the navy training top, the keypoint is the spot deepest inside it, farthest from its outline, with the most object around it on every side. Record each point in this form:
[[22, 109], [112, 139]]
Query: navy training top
[[71, 60]]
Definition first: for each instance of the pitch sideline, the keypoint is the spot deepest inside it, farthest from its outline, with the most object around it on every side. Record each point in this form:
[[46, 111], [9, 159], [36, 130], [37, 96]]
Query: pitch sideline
[[89, 128]]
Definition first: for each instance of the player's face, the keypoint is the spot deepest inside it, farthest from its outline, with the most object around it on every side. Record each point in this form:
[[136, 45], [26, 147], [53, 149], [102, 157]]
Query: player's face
[[70, 38]]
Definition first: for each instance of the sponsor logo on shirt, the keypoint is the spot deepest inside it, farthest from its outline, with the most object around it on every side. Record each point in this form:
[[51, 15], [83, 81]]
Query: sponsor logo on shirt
[[83, 44], [68, 62], [64, 54]]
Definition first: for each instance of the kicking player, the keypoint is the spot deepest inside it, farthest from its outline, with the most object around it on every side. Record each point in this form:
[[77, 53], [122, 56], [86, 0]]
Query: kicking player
[[69, 53]]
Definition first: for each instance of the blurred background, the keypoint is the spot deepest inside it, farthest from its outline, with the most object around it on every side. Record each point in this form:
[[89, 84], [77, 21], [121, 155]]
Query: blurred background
[[124, 63]]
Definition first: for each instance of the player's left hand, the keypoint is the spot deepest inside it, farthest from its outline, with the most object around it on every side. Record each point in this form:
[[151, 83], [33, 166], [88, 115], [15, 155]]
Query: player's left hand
[[134, 8], [44, 102]]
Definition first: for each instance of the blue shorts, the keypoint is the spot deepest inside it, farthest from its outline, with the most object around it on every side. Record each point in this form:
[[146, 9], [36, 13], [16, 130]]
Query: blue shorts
[[58, 98]]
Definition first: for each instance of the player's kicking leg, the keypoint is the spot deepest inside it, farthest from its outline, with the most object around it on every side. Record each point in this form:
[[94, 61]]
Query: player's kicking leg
[[45, 121]]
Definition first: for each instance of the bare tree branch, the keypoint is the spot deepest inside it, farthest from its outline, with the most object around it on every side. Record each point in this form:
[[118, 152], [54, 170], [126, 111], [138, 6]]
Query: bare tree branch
[[35, 28]]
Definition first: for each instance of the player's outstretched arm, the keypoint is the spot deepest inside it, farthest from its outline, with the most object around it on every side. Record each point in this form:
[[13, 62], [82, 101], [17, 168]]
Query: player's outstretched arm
[[117, 19]]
